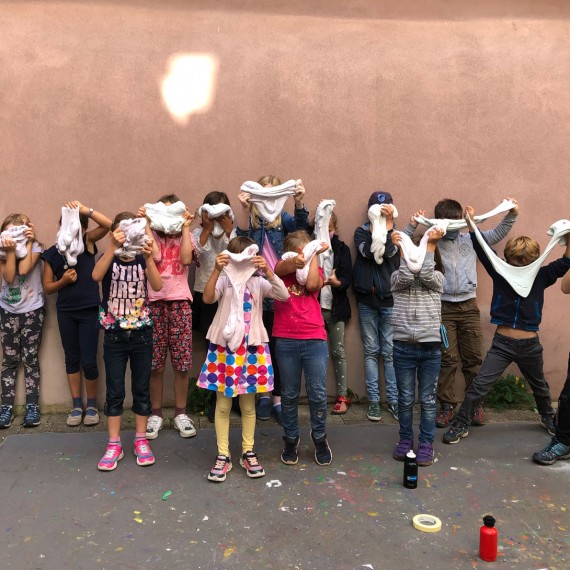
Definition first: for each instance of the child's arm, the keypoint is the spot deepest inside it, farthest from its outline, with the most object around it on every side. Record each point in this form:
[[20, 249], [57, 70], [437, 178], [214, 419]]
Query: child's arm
[[504, 226], [428, 276], [412, 225], [8, 265], [102, 266], [242, 215], [151, 271], [141, 213], [278, 290], [50, 285], [209, 295], [186, 241], [565, 285], [314, 280], [27, 264], [286, 266], [341, 280], [102, 221], [485, 261], [558, 268], [402, 278]]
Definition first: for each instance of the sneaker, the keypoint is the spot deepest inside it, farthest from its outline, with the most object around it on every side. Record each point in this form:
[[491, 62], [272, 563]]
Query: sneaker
[[456, 432], [91, 417], [143, 452], [220, 469], [276, 413], [74, 417], [184, 425], [374, 414], [32, 416], [323, 453], [250, 463], [6, 416], [402, 448], [547, 422], [153, 426], [393, 409], [478, 416], [554, 451], [289, 454], [444, 416], [112, 456], [263, 409], [426, 454]]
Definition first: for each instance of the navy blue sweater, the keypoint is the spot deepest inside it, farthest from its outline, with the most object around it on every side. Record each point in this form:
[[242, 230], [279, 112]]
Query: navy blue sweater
[[508, 307]]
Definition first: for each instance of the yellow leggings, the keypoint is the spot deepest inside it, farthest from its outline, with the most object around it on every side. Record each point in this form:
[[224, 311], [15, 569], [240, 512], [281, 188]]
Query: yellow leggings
[[222, 422]]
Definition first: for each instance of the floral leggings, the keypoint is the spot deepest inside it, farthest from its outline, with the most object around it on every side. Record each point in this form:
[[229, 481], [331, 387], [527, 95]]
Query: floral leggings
[[21, 336]]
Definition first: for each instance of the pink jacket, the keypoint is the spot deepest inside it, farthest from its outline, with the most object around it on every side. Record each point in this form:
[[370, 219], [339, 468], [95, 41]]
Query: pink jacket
[[259, 287]]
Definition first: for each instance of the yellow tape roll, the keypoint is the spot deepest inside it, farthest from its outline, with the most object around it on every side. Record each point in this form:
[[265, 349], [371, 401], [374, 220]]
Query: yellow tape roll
[[427, 523]]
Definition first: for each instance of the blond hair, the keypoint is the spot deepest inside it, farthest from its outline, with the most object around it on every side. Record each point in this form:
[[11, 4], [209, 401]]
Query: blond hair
[[521, 251], [296, 240], [267, 180]]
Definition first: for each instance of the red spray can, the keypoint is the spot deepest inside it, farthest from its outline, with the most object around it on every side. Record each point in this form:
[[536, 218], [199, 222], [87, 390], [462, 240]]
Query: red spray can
[[488, 540]]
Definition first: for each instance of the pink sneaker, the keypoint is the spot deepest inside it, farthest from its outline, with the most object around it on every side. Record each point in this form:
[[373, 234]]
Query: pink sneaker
[[111, 458], [143, 453]]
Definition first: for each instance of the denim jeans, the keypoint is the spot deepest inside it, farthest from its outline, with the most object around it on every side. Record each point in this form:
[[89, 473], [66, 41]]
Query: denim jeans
[[527, 354], [422, 362], [335, 335], [135, 347], [377, 337], [296, 356], [563, 425]]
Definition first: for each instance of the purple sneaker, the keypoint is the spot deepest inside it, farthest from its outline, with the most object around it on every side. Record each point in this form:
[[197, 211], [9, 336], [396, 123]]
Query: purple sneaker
[[402, 448], [426, 454]]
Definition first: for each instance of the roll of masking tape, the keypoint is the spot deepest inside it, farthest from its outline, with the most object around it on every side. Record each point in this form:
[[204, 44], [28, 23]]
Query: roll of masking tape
[[427, 523]]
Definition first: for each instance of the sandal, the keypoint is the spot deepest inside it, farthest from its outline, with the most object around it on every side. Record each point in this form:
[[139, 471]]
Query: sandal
[[341, 406]]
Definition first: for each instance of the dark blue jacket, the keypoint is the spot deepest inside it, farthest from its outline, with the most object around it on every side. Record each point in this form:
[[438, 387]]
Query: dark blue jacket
[[508, 307]]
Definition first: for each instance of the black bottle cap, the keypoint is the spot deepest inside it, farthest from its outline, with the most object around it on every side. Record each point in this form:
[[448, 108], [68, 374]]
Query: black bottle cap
[[489, 521]]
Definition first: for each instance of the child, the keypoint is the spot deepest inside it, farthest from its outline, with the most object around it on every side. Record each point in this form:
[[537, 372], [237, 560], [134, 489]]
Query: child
[[21, 318], [516, 337], [417, 346], [227, 372], [459, 311], [301, 347], [559, 447], [77, 313], [125, 316], [269, 237], [371, 283], [335, 308], [171, 314]]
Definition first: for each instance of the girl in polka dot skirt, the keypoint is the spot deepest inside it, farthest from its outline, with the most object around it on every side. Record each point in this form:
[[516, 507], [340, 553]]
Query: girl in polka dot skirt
[[247, 370]]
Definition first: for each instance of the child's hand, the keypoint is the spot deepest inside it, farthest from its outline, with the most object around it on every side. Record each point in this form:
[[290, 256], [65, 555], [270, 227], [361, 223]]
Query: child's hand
[[416, 215], [141, 212], [323, 248], [300, 259], [469, 214], [30, 233], [397, 239], [435, 234], [333, 280], [299, 194], [222, 259], [117, 238], [188, 219], [207, 222], [147, 249], [8, 244], [77, 204], [515, 209], [226, 222], [387, 211], [70, 276], [244, 198], [260, 263]]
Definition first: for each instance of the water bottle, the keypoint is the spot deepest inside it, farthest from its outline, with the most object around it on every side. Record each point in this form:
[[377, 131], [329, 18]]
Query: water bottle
[[410, 470], [488, 540]]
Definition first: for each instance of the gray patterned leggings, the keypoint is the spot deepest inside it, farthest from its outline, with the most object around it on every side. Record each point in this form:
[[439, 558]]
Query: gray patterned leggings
[[21, 336]]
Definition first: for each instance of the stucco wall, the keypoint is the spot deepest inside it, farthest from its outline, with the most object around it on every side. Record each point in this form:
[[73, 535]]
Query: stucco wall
[[427, 100]]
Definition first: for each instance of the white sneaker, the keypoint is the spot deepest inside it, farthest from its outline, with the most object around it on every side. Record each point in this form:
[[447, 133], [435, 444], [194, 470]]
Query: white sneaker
[[153, 426], [184, 425]]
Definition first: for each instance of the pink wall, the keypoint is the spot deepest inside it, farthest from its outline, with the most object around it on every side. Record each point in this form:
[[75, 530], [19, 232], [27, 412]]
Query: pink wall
[[466, 99]]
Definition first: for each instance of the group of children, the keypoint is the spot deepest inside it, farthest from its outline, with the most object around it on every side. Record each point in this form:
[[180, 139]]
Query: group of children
[[271, 301]]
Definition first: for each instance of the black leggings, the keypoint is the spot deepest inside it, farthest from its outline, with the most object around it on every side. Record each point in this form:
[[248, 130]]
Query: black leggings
[[563, 426]]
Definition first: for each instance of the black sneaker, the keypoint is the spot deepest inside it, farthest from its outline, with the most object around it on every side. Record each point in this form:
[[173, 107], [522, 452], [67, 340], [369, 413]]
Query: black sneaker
[[6, 416], [554, 451], [547, 422], [289, 454], [393, 409], [456, 432], [323, 453], [32, 416]]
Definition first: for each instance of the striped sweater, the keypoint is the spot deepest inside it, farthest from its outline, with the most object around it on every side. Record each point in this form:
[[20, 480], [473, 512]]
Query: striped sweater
[[417, 302]]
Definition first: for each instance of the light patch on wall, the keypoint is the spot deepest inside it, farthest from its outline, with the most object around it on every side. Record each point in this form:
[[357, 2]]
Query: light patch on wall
[[188, 86]]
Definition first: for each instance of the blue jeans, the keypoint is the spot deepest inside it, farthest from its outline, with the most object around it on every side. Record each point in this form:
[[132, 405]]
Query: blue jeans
[[421, 361], [377, 337], [295, 357], [135, 347]]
